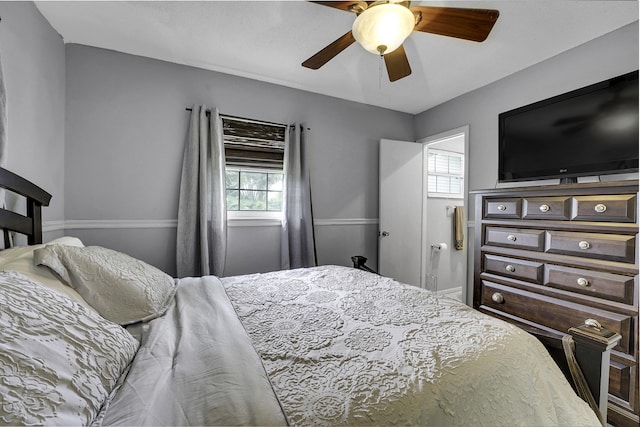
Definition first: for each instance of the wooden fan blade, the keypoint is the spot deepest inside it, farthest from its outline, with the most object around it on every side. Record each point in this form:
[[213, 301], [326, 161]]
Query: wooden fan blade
[[468, 24], [348, 6], [329, 52], [397, 64]]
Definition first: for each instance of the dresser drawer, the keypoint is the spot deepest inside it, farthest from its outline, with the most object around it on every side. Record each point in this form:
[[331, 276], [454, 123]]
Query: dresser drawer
[[621, 380], [503, 208], [552, 208], [611, 247], [517, 268], [610, 208], [554, 313], [612, 287], [515, 238]]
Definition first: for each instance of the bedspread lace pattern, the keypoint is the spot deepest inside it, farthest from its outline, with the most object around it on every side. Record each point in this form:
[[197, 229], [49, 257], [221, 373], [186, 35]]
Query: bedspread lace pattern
[[58, 360], [345, 347]]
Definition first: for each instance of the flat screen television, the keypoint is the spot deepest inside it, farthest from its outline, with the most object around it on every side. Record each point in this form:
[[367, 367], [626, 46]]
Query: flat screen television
[[585, 132]]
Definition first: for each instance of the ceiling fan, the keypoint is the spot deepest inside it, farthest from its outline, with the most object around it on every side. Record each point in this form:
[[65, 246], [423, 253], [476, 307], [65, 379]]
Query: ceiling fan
[[382, 26]]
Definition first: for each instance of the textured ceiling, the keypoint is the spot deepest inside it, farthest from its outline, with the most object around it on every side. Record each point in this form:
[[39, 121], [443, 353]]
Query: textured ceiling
[[268, 40]]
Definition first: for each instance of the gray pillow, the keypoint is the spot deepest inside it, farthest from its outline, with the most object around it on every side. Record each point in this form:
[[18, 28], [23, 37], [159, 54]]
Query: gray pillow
[[121, 288]]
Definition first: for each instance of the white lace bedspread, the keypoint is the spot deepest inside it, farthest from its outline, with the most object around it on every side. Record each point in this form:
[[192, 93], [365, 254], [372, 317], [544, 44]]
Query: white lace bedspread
[[346, 347], [340, 347]]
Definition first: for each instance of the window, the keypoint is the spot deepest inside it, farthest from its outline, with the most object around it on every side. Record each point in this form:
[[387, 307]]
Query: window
[[254, 153], [253, 190], [445, 174]]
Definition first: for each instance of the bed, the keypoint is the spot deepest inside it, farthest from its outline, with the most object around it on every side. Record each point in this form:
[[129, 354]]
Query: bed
[[91, 336]]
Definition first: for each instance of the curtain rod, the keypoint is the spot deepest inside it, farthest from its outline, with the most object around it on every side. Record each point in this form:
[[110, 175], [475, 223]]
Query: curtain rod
[[244, 119]]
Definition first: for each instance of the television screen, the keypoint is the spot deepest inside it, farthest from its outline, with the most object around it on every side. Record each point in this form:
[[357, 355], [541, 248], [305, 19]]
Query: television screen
[[589, 131]]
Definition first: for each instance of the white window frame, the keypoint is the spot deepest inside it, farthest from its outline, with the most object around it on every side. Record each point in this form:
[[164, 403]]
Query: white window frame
[[460, 175], [240, 217]]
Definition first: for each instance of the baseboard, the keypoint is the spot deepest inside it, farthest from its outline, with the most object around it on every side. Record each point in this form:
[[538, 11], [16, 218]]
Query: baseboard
[[455, 293]]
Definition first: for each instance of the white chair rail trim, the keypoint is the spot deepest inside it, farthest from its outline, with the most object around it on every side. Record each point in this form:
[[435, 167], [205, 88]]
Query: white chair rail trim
[[345, 221], [94, 224], [85, 224]]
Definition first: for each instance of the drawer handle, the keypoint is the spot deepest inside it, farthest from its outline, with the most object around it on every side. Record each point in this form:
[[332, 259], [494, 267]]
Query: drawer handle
[[583, 244], [497, 298], [583, 282], [545, 208], [593, 323], [510, 268], [502, 208], [600, 208], [511, 237]]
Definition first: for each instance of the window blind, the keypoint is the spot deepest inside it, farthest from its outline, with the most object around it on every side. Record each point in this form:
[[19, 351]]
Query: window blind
[[250, 143], [445, 173]]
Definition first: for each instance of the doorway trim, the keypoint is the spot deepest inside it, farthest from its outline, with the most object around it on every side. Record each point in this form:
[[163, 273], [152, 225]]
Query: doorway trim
[[464, 131]]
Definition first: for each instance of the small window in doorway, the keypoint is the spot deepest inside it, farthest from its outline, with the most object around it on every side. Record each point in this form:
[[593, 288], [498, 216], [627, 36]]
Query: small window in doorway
[[445, 174]]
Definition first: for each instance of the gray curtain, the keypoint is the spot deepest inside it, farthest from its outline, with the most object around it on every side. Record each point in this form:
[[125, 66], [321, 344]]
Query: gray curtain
[[3, 124], [297, 238], [5, 198], [202, 211]]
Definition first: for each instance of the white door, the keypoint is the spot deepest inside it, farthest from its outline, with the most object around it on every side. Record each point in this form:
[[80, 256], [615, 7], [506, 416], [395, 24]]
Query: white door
[[401, 206]]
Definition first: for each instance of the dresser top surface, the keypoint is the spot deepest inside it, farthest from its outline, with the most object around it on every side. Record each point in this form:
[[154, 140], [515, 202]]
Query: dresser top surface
[[586, 187]]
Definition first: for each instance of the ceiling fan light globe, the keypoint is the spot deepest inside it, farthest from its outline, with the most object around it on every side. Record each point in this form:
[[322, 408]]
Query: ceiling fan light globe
[[383, 25]]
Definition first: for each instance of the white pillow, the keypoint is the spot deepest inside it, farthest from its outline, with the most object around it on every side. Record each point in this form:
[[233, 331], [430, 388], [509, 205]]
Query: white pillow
[[20, 259], [121, 288], [58, 361], [8, 255]]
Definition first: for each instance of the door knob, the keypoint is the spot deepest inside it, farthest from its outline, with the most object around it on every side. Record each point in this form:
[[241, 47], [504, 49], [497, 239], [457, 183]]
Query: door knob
[[384, 233]]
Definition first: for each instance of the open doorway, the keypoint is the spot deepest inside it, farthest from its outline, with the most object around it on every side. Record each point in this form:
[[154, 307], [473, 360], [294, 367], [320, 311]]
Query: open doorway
[[445, 212]]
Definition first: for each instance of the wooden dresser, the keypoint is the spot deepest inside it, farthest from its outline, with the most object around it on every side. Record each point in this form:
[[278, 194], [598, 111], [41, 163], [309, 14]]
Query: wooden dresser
[[550, 257]]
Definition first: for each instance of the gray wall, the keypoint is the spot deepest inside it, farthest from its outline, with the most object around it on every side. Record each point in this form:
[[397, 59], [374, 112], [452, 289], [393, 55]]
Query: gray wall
[[126, 125], [32, 56], [608, 56]]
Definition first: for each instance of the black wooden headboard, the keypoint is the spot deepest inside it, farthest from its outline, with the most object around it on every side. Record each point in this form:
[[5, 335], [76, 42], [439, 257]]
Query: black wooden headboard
[[30, 224]]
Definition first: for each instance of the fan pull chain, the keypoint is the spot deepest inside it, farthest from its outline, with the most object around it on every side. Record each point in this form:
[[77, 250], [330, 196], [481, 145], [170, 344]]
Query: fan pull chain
[[380, 72]]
